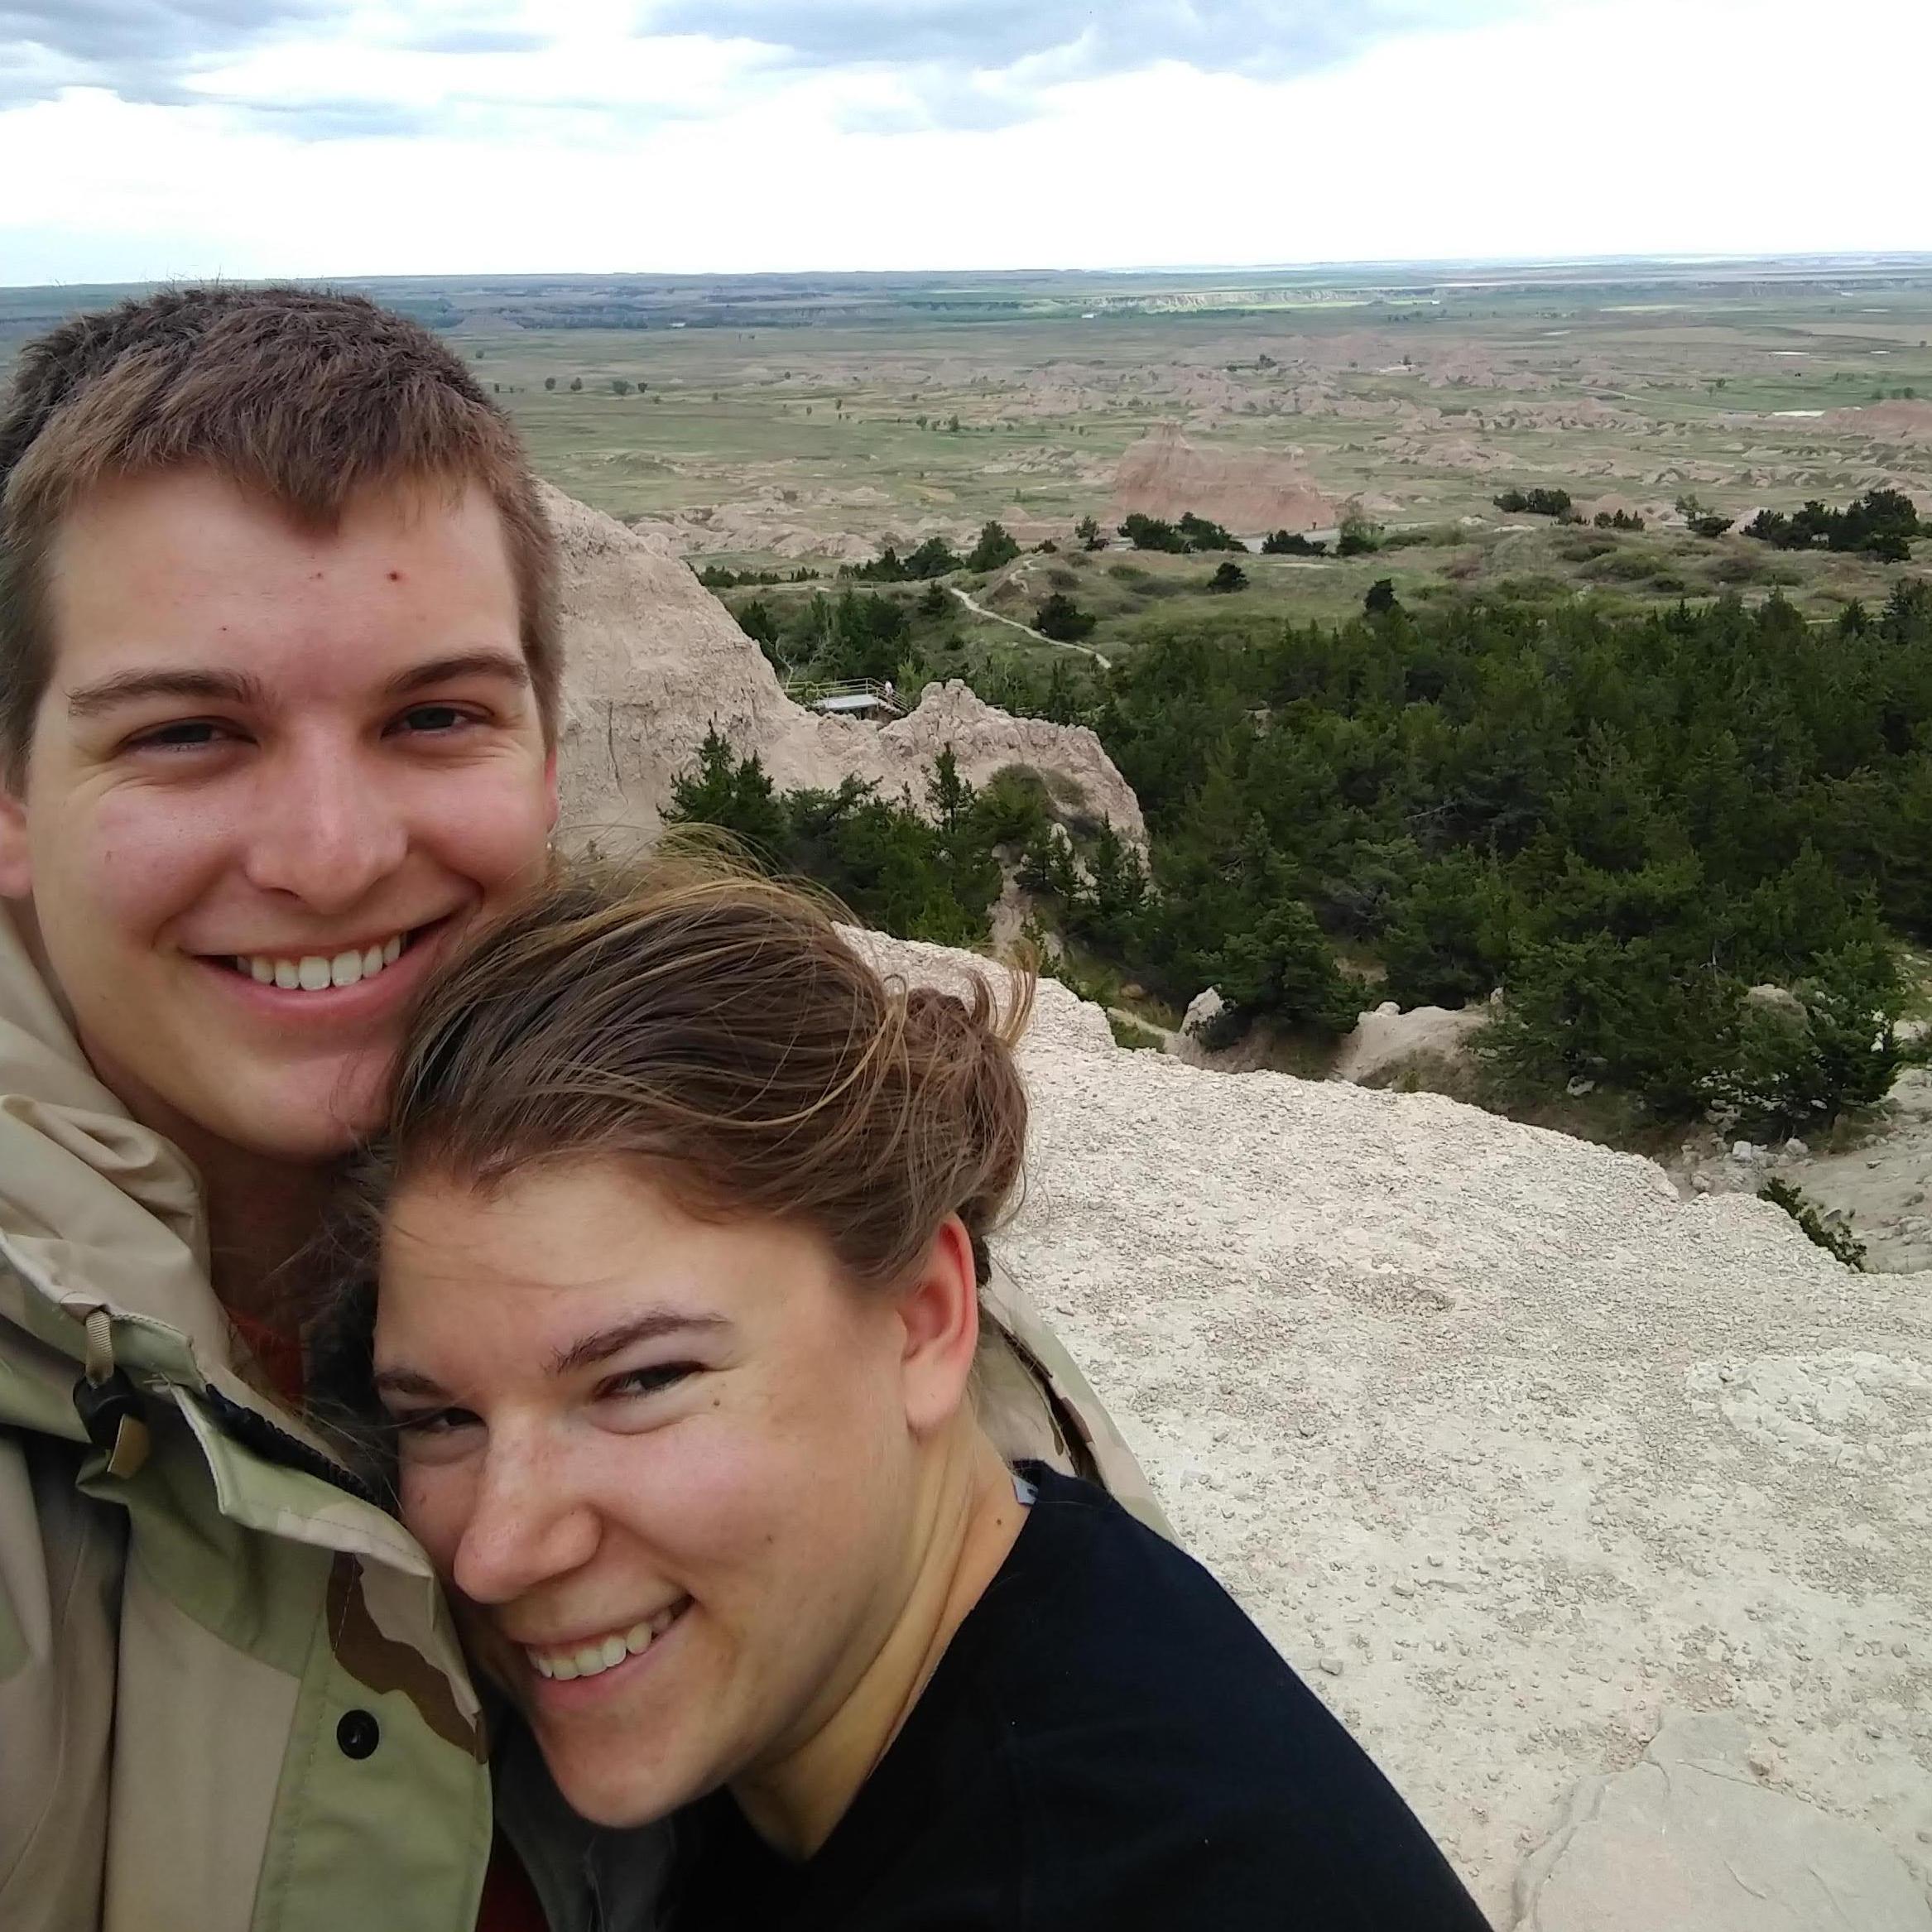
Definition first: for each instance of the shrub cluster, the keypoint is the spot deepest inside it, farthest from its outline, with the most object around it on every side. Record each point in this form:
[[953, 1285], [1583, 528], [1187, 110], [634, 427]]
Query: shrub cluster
[[1832, 1232], [933, 558], [1881, 523], [1061, 619], [918, 877], [717, 577], [1538, 503], [1191, 533], [1626, 823], [854, 635]]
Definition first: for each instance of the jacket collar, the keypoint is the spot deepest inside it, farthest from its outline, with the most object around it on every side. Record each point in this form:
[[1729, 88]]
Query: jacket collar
[[96, 1211]]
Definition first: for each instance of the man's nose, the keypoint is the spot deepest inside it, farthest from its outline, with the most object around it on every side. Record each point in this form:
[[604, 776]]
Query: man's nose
[[527, 1525], [326, 828]]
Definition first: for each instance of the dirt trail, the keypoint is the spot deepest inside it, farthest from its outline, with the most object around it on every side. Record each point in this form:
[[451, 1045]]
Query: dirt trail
[[1039, 636]]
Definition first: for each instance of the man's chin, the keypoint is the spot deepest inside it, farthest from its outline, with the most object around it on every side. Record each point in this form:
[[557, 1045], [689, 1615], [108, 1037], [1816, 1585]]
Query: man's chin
[[306, 1124]]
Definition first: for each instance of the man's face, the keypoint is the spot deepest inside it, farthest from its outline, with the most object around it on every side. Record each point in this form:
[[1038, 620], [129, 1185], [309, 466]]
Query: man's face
[[274, 772]]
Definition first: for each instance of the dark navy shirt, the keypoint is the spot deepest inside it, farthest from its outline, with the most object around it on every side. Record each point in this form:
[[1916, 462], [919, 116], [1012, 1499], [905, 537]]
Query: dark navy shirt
[[1109, 1743]]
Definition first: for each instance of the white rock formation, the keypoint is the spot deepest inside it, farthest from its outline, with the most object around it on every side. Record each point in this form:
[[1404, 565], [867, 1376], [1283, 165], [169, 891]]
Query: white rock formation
[[1516, 1455], [653, 660], [1203, 1010], [1430, 1040]]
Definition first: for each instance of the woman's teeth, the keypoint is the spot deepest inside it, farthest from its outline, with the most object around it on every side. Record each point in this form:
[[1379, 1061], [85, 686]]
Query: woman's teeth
[[593, 1659], [317, 972]]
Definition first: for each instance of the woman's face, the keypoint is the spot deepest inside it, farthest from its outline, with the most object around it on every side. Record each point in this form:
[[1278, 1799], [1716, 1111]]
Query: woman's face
[[669, 1467]]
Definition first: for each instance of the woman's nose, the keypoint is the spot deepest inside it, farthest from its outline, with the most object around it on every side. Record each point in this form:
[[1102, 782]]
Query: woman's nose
[[528, 1526]]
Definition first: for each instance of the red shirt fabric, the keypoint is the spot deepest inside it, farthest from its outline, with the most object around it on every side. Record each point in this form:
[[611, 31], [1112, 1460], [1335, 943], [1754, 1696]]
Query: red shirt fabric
[[279, 1353], [509, 1900]]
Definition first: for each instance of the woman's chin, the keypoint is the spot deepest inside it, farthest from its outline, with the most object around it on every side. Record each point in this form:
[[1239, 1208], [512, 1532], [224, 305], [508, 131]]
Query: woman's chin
[[617, 1797]]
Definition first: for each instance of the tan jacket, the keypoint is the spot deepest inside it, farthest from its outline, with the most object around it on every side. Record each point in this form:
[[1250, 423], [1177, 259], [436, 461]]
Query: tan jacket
[[230, 1697]]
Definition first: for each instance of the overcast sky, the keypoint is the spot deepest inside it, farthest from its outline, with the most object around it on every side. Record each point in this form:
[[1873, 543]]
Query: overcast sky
[[144, 139]]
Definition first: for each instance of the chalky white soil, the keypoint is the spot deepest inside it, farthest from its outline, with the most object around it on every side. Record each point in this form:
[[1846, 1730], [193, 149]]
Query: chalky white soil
[[1515, 1453]]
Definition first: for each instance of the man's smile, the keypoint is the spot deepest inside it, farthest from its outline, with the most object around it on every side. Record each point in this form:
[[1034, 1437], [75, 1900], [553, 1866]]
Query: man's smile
[[350, 981]]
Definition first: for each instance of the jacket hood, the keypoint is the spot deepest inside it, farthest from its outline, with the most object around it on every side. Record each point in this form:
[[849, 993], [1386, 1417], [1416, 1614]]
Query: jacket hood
[[96, 1211]]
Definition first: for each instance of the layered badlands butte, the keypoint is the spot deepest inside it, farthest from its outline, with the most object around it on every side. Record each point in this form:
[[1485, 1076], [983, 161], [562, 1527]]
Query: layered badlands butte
[[655, 660], [1249, 492]]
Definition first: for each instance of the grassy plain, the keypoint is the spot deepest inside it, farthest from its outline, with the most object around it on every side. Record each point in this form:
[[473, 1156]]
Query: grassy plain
[[771, 422]]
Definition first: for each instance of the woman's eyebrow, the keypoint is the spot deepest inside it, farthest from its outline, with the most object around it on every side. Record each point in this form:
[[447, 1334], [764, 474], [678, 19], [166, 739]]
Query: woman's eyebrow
[[601, 1345], [407, 1381], [585, 1352]]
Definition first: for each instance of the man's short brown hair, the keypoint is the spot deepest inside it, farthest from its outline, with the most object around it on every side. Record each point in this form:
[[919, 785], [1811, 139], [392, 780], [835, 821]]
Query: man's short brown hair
[[308, 398]]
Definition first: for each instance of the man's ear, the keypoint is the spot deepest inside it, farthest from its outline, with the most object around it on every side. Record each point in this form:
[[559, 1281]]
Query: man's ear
[[15, 871], [939, 1314], [552, 805]]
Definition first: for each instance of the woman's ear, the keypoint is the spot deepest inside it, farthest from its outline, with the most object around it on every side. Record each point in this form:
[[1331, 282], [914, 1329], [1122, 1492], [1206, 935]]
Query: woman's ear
[[939, 1314]]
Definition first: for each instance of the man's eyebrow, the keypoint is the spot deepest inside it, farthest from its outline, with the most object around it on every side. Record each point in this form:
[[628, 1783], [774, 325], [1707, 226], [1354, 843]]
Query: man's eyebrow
[[462, 664], [591, 1349], [127, 687]]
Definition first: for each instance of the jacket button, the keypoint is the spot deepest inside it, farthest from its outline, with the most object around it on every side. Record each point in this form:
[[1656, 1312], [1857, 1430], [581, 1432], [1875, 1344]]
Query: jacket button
[[358, 1734]]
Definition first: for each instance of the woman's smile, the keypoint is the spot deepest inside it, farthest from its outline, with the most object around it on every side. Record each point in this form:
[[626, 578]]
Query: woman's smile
[[561, 1680]]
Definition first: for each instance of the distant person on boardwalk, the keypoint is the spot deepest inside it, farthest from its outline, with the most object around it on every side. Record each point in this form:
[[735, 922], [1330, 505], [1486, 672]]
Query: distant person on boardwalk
[[279, 678], [670, 1296]]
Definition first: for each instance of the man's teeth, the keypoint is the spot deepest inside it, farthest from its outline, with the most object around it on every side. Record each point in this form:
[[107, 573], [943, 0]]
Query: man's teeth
[[315, 972], [593, 1659]]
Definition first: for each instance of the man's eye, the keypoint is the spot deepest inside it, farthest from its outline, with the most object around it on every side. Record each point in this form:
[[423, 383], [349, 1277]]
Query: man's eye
[[648, 1382], [434, 720], [187, 734]]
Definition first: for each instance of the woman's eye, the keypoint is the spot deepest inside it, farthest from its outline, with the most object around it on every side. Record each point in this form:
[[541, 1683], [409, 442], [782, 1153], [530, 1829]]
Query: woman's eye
[[648, 1382], [429, 1422]]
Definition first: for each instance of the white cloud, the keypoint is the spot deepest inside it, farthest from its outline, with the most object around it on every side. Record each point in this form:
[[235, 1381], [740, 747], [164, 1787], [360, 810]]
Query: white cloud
[[1645, 126]]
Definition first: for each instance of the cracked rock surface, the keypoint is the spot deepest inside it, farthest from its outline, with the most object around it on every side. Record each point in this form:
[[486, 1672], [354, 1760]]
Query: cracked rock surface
[[1516, 1455], [1689, 1839]]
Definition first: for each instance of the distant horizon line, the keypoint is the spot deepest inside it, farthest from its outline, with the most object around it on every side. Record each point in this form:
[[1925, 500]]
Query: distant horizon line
[[1813, 258]]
